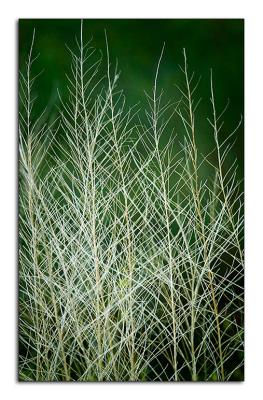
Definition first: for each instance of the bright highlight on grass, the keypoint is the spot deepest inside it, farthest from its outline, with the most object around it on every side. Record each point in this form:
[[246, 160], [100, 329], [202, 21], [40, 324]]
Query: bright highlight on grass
[[131, 264]]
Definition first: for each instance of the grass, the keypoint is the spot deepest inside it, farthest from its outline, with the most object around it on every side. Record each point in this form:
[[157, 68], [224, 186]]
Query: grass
[[131, 263]]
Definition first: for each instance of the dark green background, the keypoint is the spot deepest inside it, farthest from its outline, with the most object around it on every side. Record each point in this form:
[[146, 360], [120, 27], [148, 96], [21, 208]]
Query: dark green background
[[137, 43]]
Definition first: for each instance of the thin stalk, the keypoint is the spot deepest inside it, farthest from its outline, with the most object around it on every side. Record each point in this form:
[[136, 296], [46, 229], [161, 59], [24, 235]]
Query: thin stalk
[[127, 219], [215, 305], [220, 164], [167, 217]]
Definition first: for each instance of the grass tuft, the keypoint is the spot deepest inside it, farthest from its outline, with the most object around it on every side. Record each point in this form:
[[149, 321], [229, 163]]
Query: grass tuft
[[131, 262]]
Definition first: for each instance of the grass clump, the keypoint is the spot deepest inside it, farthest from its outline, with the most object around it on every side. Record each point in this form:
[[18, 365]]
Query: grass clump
[[131, 262]]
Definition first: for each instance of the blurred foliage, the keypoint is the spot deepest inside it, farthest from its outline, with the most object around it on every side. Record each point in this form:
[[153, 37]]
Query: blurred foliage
[[136, 45]]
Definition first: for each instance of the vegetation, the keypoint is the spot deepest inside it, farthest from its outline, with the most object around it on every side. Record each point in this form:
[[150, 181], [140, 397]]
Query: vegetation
[[131, 262]]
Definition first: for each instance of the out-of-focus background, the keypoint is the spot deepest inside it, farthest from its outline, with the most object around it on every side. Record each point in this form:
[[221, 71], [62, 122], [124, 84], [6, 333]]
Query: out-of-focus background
[[137, 44]]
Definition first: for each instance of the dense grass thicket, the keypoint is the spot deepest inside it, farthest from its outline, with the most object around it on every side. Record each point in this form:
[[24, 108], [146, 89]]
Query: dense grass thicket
[[130, 261]]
